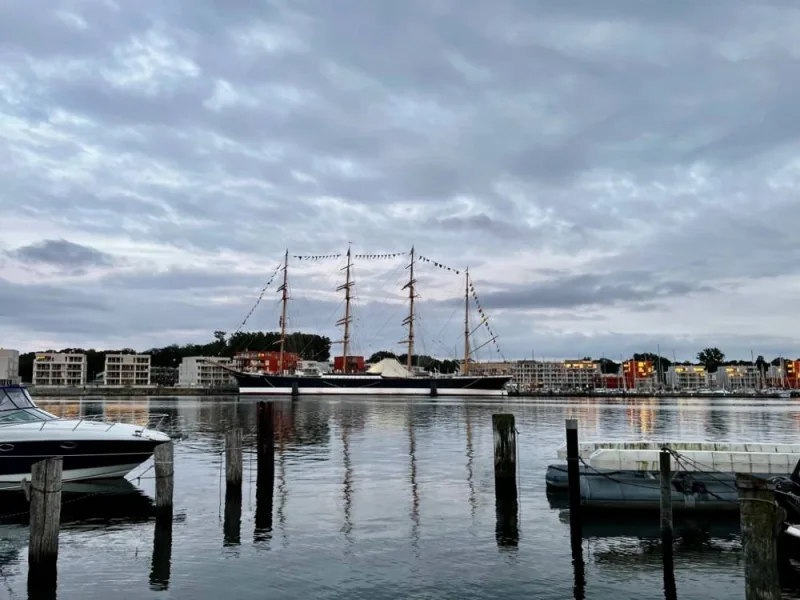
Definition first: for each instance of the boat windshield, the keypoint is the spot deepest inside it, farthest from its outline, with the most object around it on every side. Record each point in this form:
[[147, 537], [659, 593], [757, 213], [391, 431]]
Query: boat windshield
[[16, 406]]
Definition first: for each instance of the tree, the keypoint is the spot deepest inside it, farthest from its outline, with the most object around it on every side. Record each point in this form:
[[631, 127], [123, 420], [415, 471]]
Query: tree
[[380, 355], [762, 364], [608, 366], [711, 358]]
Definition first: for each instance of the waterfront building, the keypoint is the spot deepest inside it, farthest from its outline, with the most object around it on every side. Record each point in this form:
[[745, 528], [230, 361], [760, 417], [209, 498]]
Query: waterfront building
[[639, 375], [127, 370], [784, 375], [9, 367], [59, 369], [205, 371], [738, 377], [264, 362], [687, 377], [564, 375]]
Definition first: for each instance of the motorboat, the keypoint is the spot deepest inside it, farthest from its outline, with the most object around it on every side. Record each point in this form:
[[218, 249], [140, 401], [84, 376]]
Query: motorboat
[[91, 449]]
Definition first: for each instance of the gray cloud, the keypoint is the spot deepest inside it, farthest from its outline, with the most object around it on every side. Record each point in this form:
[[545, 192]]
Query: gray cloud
[[62, 254], [592, 290], [639, 157]]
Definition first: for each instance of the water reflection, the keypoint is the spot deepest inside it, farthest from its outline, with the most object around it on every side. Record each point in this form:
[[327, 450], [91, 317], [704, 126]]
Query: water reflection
[[361, 480]]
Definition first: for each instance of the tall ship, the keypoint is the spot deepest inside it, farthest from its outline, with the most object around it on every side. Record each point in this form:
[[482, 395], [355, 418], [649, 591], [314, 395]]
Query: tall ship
[[387, 377]]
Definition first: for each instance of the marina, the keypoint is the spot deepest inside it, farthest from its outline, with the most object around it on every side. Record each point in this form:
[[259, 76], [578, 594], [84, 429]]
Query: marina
[[376, 490]]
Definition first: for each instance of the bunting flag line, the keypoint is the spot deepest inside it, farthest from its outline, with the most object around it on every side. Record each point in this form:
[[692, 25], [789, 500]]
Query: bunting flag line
[[485, 319], [440, 265], [379, 256], [316, 256]]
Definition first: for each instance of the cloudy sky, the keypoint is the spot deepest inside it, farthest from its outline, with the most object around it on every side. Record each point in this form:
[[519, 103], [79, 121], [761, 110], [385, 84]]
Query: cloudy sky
[[617, 175]]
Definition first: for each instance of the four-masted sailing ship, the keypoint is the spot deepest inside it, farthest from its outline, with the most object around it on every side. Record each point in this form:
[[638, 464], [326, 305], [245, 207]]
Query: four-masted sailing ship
[[388, 377]]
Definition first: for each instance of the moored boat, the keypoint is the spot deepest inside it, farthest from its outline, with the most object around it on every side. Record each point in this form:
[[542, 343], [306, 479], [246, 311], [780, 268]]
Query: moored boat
[[90, 449], [388, 377]]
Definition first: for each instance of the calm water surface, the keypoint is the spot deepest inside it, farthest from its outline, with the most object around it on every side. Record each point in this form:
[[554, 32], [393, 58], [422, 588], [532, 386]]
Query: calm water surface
[[380, 499]]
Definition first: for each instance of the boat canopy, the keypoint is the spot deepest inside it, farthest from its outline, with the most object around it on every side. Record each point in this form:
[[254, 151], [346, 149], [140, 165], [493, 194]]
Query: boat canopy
[[389, 367], [16, 405]]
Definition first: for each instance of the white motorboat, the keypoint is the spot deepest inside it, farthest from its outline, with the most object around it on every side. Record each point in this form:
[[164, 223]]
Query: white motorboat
[[91, 449]]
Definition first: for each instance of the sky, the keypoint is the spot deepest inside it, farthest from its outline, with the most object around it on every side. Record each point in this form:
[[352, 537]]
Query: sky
[[619, 176]]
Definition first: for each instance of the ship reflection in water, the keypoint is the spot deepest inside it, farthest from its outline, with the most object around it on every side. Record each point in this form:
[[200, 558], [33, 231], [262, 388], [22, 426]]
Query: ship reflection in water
[[382, 499]]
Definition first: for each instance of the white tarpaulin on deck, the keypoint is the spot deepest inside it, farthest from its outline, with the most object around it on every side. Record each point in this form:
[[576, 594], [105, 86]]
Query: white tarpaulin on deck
[[389, 367]]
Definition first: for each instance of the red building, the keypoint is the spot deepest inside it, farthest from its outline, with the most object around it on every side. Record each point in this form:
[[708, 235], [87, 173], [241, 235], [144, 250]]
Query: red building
[[637, 370], [267, 362], [355, 364], [607, 381]]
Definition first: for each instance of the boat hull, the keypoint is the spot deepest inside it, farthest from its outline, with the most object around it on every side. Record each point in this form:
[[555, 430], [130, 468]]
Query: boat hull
[[90, 459], [367, 385]]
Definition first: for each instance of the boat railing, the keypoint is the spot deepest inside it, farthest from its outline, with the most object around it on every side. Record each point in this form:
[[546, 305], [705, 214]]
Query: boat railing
[[152, 421]]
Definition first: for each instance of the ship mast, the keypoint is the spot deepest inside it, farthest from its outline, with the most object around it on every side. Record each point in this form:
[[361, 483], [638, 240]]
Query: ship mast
[[409, 320], [466, 322], [284, 301], [347, 318]]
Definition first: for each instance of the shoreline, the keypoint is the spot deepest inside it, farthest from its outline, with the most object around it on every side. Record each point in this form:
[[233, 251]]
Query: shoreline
[[166, 391]]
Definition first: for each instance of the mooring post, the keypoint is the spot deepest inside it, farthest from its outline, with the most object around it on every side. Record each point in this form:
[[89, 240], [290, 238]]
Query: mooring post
[[434, 388], [265, 465], [233, 458], [760, 519], [163, 458], [575, 516], [295, 390], [667, 560], [45, 512], [505, 479], [665, 460]]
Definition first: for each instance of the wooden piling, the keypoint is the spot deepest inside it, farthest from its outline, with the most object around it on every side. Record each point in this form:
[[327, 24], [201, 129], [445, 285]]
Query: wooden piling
[[575, 516], [760, 517], [265, 473], [295, 390], [667, 559], [233, 458], [505, 480], [505, 448], [45, 512], [163, 458], [665, 463], [434, 389]]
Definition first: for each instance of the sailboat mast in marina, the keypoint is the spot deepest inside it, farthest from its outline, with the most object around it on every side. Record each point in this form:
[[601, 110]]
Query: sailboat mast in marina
[[388, 377]]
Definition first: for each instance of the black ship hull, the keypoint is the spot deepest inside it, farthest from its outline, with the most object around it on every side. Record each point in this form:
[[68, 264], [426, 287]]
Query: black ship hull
[[370, 385]]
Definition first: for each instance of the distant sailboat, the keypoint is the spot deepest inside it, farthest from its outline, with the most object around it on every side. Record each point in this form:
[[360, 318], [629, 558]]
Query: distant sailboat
[[388, 377]]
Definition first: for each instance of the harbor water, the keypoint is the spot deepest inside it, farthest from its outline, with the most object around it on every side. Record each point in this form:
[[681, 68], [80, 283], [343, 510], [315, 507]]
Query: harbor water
[[387, 499]]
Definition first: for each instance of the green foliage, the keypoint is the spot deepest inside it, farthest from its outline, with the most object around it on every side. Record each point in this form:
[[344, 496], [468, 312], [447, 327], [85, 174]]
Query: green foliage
[[712, 358], [608, 366]]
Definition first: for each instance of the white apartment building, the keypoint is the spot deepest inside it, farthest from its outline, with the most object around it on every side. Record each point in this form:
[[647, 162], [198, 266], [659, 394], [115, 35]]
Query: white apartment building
[[738, 377], [687, 377], [205, 371], [59, 368], [569, 374], [9, 367], [127, 370]]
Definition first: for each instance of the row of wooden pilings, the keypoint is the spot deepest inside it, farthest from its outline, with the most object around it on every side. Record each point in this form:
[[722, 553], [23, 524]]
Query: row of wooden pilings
[[45, 503]]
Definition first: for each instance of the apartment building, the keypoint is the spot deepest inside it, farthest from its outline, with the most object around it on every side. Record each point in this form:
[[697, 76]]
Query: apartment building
[[9, 367], [687, 377], [569, 374], [205, 371], [639, 375], [59, 368], [127, 370], [739, 377]]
